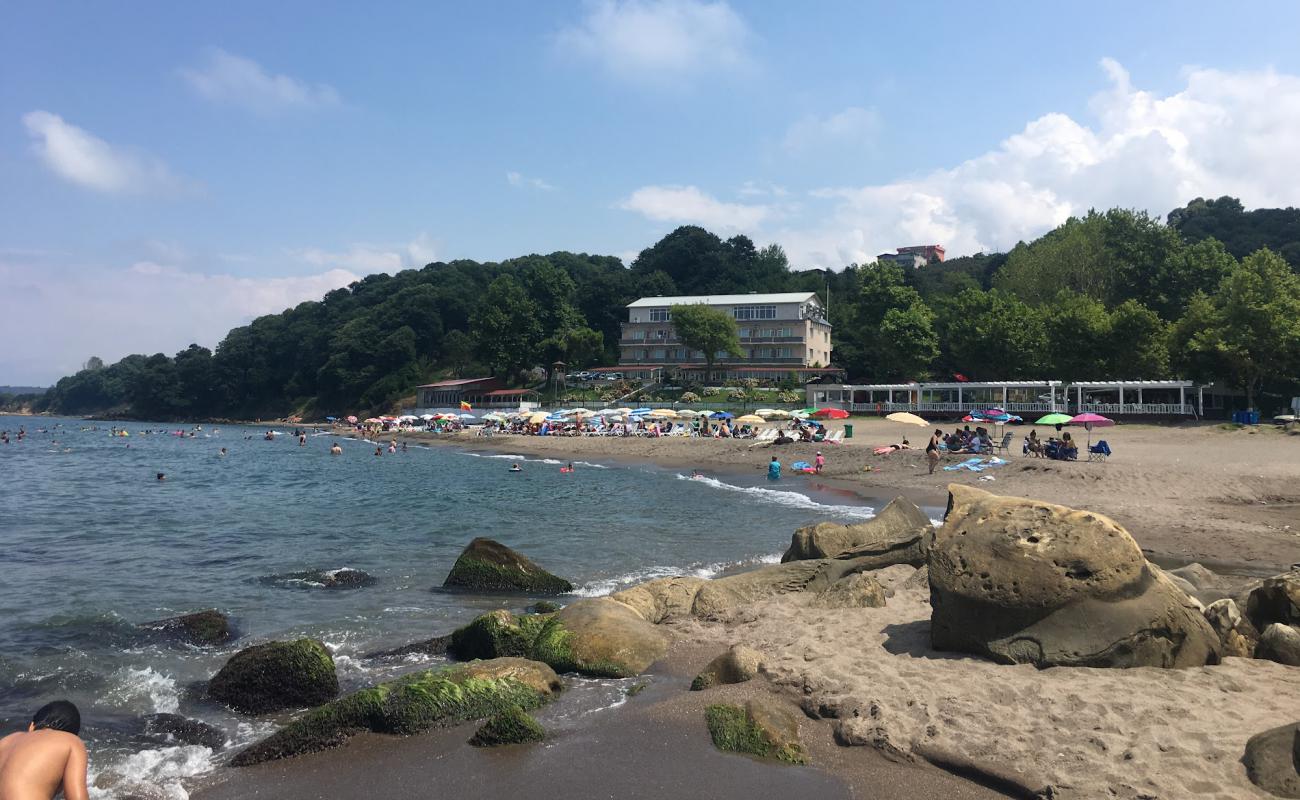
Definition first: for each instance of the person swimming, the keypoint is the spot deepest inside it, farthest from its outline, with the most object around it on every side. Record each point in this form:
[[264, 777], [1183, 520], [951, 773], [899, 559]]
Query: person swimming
[[379, 451], [774, 469], [223, 451], [162, 476], [335, 450], [568, 468], [47, 758], [516, 468]]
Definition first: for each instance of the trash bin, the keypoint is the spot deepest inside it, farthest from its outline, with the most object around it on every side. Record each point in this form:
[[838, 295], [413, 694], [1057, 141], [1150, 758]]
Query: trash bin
[[1252, 417], [848, 431]]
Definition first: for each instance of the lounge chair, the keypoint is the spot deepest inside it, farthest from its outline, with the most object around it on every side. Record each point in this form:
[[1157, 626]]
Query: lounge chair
[[1099, 451], [1005, 445]]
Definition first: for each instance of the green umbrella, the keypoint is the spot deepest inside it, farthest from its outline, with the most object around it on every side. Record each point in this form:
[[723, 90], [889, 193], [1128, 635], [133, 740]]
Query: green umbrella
[[808, 410], [1054, 419]]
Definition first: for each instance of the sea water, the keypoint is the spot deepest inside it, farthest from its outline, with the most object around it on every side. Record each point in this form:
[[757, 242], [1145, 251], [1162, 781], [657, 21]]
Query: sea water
[[92, 544]]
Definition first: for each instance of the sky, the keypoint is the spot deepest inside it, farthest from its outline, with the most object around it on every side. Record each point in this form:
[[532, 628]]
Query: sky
[[171, 170]]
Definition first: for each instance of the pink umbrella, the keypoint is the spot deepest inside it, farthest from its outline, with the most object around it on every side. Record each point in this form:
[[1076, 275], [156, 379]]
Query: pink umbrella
[[1089, 421]]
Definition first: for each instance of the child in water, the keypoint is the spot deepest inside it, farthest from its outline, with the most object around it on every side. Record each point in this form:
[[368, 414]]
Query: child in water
[[774, 470]]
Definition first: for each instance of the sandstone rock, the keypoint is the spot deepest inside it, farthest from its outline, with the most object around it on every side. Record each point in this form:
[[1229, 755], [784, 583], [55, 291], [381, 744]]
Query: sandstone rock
[[663, 598], [1271, 760], [855, 591], [900, 534], [202, 628], [1280, 643], [737, 665], [761, 728], [1022, 581], [722, 597], [512, 726], [1235, 632], [173, 729], [276, 675], [412, 704], [1276, 599], [485, 565]]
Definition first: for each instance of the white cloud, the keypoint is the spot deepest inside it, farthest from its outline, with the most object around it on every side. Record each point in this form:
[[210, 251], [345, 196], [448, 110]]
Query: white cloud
[[227, 78], [659, 41], [761, 189], [80, 157], [372, 258], [1235, 133], [853, 128], [524, 182], [687, 204]]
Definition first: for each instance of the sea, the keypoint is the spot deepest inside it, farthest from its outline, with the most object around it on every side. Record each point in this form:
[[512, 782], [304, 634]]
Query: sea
[[93, 544]]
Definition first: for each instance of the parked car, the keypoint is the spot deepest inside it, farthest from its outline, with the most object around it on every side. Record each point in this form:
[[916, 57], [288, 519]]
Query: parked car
[[614, 376], [581, 376]]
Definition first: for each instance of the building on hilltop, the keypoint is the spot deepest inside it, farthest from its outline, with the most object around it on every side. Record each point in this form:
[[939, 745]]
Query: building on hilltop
[[780, 334], [916, 256]]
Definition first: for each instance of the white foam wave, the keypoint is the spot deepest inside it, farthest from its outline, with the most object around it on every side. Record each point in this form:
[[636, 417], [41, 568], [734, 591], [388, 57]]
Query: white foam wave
[[157, 690], [159, 773], [605, 586], [791, 499]]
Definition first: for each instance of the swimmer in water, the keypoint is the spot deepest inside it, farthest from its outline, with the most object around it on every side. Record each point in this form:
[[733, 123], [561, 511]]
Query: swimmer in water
[[379, 451], [695, 473], [162, 476], [47, 758], [335, 450], [302, 440], [515, 468], [223, 451]]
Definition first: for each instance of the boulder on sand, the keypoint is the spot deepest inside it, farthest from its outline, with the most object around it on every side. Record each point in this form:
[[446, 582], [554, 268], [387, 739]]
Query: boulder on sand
[[899, 534], [1276, 599], [737, 665], [488, 566], [761, 728], [1022, 581], [202, 628], [1280, 643], [512, 726], [1272, 758], [1237, 636], [412, 704], [855, 591], [276, 675], [720, 598], [662, 598]]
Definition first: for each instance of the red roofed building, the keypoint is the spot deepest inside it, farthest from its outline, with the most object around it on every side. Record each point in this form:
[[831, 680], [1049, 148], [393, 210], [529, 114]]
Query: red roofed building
[[478, 392]]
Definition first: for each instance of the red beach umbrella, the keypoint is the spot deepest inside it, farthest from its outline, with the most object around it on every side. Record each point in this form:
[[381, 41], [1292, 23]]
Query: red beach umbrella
[[831, 413]]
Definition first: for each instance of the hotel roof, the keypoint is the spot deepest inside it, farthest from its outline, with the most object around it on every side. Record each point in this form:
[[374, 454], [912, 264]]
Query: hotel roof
[[723, 299]]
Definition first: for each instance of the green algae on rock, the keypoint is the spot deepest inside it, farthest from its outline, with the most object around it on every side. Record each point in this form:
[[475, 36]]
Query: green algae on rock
[[202, 628], [412, 704], [486, 565], [759, 728], [276, 675], [512, 726]]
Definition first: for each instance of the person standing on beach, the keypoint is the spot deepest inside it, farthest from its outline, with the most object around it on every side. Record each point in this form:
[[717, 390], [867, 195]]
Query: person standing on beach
[[47, 758], [774, 470], [819, 462], [932, 450]]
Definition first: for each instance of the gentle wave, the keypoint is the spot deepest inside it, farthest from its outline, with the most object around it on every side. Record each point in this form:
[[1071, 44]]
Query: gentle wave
[[157, 772], [606, 586], [792, 499], [526, 459], [158, 691]]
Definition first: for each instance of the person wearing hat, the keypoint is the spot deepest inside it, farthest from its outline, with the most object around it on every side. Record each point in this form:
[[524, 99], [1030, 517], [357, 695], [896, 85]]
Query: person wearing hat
[[819, 462]]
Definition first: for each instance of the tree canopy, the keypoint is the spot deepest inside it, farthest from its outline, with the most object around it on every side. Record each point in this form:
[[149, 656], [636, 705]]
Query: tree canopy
[[709, 330]]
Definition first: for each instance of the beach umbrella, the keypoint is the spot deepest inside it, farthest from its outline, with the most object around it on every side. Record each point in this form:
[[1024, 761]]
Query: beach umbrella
[[751, 419], [537, 417], [1054, 419], [808, 410], [831, 413], [722, 415], [1089, 421], [763, 412], [907, 419], [580, 411], [467, 416], [687, 412], [774, 414], [666, 413], [641, 411], [353, 420]]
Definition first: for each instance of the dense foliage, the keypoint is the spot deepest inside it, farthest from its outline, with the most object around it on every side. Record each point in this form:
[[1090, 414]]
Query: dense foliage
[[1110, 295]]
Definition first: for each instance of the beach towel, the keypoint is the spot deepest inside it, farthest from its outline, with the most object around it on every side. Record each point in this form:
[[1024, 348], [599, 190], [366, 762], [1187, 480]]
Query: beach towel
[[976, 464], [800, 465]]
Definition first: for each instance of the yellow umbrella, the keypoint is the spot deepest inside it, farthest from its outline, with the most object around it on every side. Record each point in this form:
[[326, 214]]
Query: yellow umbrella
[[751, 419], [538, 417], [907, 419], [666, 413]]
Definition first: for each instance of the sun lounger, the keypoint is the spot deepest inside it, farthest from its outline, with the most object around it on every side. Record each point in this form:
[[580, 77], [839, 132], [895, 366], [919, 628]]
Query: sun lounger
[[1099, 451]]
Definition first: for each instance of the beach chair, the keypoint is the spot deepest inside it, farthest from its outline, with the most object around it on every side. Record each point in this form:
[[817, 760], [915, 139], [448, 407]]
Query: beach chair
[[1003, 446], [1099, 451], [835, 436]]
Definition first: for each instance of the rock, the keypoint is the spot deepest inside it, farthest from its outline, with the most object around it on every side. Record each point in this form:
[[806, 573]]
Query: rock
[[1271, 760], [855, 591], [497, 634], [719, 598], [1022, 581], [485, 565], [662, 598], [342, 578], [173, 729], [269, 677], [761, 728], [1182, 583], [543, 607], [412, 704], [1276, 599], [437, 646], [1237, 636], [900, 534], [1280, 643], [918, 580], [737, 665], [512, 726], [202, 628]]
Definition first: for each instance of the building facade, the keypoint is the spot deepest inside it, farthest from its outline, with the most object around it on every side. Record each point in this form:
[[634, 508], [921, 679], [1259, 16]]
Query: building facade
[[477, 392], [916, 256], [779, 333]]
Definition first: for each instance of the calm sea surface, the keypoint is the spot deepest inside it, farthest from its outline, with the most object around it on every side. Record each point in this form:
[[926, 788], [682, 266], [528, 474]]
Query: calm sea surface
[[93, 544]]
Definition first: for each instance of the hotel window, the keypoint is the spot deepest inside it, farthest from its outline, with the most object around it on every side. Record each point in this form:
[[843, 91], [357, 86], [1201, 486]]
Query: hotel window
[[754, 312], [744, 333], [659, 353], [661, 334], [660, 315], [638, 334]]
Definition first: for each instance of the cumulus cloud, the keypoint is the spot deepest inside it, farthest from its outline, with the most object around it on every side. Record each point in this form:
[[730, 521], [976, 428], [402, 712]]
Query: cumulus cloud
[[235, 80], [78, 156], [853, 128], [371, 257], [689, 205], [70, 313], [655, 41], [522, 181]]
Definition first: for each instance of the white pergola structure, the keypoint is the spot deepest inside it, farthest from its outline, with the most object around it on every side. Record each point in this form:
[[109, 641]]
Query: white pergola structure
[[1134, 397], [1013, 396]]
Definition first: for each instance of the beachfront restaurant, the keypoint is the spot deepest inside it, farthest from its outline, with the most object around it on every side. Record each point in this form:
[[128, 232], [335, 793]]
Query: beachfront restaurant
[[1017, 397], [1155, 398], [479, 393]]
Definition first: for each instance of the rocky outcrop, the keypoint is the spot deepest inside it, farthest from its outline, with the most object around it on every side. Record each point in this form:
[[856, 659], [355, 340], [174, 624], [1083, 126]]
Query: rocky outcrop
[[721, 598], [498, 634], [276, 675], [512, 726], [1022, 581], [412, 704], [488, 566], [1276, 599], [855, 591], [342, 578], [1272, 758], [737, 664], [201, 629], [1280, 643], [1236, 635], [900, 534], [760, 728], [173, 729], [437, 646], [662, 598]]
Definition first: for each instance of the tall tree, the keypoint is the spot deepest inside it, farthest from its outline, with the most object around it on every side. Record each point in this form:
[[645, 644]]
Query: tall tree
[[709, 330], [507, 327]]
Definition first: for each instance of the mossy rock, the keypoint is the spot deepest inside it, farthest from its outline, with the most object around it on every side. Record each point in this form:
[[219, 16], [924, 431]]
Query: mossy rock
[[497, 634], [486, 565], [202, 628], [760, 728], [544, 607], [512, 726], [737, 664], [412, 704], [276, 675]]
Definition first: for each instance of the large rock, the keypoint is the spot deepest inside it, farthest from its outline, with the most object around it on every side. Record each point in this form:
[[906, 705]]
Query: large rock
[[201, 629], [269, 677], [512, 726], [1276, 599], [855, 591], [341, 578], [1272, 758], [1280, 643], [761, 728], [488, 566], [1237, 636], [1022, 581], [437, 646], [900, 534], [738, 664], [662, 598], [412, 704], [720, 598], [173, 729]]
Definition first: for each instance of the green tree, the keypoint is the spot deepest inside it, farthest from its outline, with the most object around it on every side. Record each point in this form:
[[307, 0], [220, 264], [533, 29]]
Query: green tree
[[507, 327], [908, 341], [1078, 336], [709, 330], [458, 351], [1139, 344], [993, 336]]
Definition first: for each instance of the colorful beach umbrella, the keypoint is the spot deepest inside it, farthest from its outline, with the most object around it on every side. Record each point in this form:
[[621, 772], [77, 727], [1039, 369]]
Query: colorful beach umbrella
[[353, 420], [1054, 419], [831, 413], [751, 419], [907, 419], [1089, 421]]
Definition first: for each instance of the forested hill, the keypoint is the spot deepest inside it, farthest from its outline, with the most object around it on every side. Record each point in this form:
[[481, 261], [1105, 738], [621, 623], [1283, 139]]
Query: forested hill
[[1113, 294]]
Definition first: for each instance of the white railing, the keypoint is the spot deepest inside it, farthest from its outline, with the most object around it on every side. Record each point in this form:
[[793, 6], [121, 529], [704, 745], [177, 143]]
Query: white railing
[[1138, 408]]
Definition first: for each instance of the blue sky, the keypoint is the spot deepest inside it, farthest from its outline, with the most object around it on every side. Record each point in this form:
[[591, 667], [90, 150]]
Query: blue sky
[[169, 171]]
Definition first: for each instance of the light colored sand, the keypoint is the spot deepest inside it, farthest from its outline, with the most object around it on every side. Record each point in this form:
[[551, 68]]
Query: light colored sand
[[1091, 733]]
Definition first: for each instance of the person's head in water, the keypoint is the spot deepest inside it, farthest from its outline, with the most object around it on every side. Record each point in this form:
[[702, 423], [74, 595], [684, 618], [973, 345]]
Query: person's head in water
[[57, 716], [162, 476]]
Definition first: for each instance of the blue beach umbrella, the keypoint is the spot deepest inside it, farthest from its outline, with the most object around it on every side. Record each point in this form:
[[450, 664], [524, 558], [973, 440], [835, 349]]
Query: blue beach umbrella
[[641, 411], [722, 415]]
